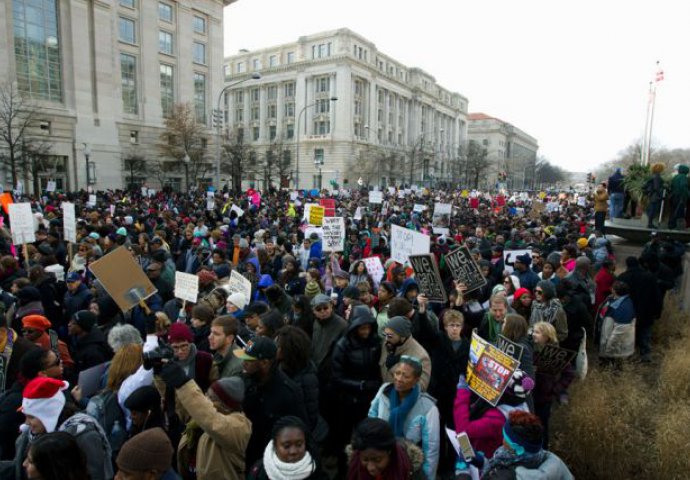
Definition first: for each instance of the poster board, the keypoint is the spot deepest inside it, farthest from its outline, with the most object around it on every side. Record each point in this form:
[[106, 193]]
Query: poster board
[[552, 359], [375, 196], [22, 223], [442, 214], [406, 242], [489, 370], [509, 347], [428, 277], [316, 214], [51, 186], [237, 283], [186, 286], [509, 257], [374, 269], [537, 209], [123, 278], [69, 222], [333, 234], [464, 269], [307, 209]]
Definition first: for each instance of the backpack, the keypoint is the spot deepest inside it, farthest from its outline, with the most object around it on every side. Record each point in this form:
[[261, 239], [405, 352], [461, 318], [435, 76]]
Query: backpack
[[106, 409]]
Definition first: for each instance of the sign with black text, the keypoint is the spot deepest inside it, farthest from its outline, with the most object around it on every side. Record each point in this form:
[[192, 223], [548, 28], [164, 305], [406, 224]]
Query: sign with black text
[[509, 347], [552, 359], [464, 269], [428, 277]]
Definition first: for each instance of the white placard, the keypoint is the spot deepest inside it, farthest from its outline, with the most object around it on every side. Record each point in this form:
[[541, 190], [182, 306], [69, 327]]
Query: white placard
[[375, 269], [293, 196], [51, 186], [358, 214], [69, 222], [333, 234], [144, 191], [238, 283], [186, 286], [406, 242], [312, 229], [375, 197], [442, 209], [210, 194], [509, 257], [419, 208], [391, 190], [22, 223], [92, 200], [237, 210], [210, 204], [152, 192], [112, 210]]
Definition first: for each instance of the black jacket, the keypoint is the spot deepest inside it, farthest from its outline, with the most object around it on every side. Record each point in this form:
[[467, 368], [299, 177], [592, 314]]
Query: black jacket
[[446, 366], [10, 420], [578, 317], [76, 301], [308, 382], [644, 293], [264, 404], [91, 350]]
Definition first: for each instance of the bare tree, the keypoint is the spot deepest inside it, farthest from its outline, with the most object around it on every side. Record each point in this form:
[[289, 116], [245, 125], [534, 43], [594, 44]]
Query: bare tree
[[547, 173], [477, 162], [136, 166], [184, 137], [364, 166], [236, 159]]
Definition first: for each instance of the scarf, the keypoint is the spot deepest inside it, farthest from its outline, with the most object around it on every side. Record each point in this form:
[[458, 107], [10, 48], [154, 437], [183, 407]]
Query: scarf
[[545, 311], [276, 469], [494, 328], [189, 364], [399, 411], [504, 458]]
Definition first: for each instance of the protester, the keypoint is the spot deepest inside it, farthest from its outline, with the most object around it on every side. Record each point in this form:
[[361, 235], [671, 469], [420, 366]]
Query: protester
[[55, 456], [398, 342], [547, 308], [147, 455], [89, 345], [616, 325]]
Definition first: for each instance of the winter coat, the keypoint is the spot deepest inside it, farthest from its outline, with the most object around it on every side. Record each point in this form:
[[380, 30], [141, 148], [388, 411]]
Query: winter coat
[[308, 382], [90, 350], [229, 365], [549, 387], [324, 337], [92, 440], [679, 185], [604, 281], [10, 419], [406, 453], [578, 317], [76, 301], [644, 293], [601, 200], [412, 348], [258, 472], [550, 468], [446, 366], [422, 426]]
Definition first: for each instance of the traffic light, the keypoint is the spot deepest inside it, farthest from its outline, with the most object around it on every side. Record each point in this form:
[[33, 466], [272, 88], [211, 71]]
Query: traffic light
[[589, 177]]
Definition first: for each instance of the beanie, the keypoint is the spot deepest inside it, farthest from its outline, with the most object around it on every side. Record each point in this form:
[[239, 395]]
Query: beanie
[[148, 450], [522, 291], [351, 292], [43, 399], [230, 391], [85, 319], [179, 332], [519, 385], [206, 277], [143, 399], [37, 322], [238, 299], [312, 289], [400, 325]]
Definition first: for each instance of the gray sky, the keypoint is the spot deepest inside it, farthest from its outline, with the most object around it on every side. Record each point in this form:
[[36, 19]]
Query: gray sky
[[574, 75]]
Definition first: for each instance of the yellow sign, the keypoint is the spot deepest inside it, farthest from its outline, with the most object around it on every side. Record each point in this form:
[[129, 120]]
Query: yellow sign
[[316, 215], [465, 193], [542, 195]]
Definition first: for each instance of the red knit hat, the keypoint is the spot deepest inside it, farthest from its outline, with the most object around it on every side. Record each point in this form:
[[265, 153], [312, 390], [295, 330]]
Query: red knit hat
[[43, 399], [37, 322], [179, 332], [522, 291]]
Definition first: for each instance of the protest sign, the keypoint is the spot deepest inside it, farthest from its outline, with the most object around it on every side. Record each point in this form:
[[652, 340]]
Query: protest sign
[[509, 347], [391, 190], [69, 222], [238, 211], [51, 186], [316, 215], [329, 206], [307, 209], [238, 283], [358, 214], [509, 257], [317, 230], [374, 269], [293, 196], [537, 209], [333, 234], [552, 359], [375, 197], [442, 213], [428, 277], [22, 223], [406, 242], [122, 278], [464, 269], [92, 201], [418, 208], [210, 204], [186, 286], [489, 370]]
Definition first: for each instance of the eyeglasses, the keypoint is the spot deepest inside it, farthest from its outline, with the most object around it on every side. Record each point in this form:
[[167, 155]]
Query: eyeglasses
[[56, 363]]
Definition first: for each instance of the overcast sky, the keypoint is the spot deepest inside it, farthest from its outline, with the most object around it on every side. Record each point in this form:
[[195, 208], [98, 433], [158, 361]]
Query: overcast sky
[[574, 75]]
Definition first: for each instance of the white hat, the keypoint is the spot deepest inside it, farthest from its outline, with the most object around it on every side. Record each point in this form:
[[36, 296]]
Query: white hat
[[43, 399], [238, 299]]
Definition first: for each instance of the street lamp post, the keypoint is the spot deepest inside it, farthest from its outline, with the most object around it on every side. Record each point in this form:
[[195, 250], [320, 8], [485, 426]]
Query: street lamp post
[[219, 121], [185, 162], [299, 122], [87, 156]]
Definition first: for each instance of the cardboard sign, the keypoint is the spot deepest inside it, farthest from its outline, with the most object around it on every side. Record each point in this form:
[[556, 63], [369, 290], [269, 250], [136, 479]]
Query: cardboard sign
[[186, 286], [329, 206], [375, 197], [489, 370], [22, 223], [333, 234], [509, 347], [464, 269], [537, 209], [69, 222], [428, 277], [509, 257], [316, 213], [552, 359], [375, 269], [123, 278], [406, 242], [237, 210], [239, 284], [358, 214]]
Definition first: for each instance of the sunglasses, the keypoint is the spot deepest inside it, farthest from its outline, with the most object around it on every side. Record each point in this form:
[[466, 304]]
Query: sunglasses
[[539, 291]]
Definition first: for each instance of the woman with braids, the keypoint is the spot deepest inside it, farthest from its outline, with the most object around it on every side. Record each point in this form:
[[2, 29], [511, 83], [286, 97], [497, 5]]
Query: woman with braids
[[376, 454], [290, 455]]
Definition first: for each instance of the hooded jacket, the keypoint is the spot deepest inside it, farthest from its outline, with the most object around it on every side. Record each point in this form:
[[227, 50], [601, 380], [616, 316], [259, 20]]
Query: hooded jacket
[[91, 350]]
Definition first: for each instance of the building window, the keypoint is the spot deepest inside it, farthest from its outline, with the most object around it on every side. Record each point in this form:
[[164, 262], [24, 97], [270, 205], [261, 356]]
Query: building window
[[272, 111], [199, 24], [323, 106], [255, 95], [200, 97], [273, 61], [322, 127], [239, 115], [357, 129], [358, 107], [323, 85], [358, 87], [240, 135], [272, 92], [290, 57], [290, 90], [290, 109], [134, 137], [37, 49], [165, 42], [256, 64], [128, 68], [272, 132], [199, 53], [128, 3], [290, 131], [239, 96], [165, 12], [321, 50], [255, 133], [167, 89], [127, 30], [255, 113], [240, 67]]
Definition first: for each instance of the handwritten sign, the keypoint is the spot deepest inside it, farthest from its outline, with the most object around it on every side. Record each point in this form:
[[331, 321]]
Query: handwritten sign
[[186, 286], [509, 347], [316, 213], [464, 269], [374, 269], [69, 222], [22, 223], [406, 242], [509, 257], [329, 205], [238, 283], [51, 186], [375, 196], [428, 277], [333, 234], [552, 359]]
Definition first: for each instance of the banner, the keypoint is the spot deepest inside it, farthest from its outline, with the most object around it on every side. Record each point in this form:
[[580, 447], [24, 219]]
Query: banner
[[375, 196], [329, 206], [374, 269], [509, 257], [489, 370], [69, 222], [552, 359], [186, 286], [238, 283], [333, 234], [509, 347], [428, 277], [22, 223], [316, 213], [464, 269], [406, 242]]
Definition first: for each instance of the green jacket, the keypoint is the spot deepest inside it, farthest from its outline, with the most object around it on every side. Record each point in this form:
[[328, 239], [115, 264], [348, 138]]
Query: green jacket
[[679, 184]]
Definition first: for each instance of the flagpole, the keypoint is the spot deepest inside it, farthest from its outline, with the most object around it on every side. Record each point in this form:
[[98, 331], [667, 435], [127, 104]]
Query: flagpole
[[647, 142], [644, 149]]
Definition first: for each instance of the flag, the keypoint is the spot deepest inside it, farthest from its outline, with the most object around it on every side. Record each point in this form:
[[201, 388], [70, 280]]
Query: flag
[[659, 76]]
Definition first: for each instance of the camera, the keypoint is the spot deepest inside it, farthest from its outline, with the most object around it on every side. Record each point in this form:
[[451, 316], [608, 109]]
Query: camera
[[157, 357]]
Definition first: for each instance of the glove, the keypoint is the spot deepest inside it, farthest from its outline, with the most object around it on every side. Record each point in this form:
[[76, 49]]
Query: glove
[[462, 383], [173, 375]]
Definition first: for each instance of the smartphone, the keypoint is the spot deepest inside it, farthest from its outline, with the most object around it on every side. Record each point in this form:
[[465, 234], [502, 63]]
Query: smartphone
[[465, 446]]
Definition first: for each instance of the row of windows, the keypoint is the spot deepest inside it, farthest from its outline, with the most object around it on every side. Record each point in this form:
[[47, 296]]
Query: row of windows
[[321, 127], [165, 41], [271, 112], [273, 61], [165, 13]]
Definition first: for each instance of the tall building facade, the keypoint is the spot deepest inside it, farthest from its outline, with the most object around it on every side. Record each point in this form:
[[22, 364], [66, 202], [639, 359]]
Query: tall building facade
[[510, 150], [104, 75], [338, 109]]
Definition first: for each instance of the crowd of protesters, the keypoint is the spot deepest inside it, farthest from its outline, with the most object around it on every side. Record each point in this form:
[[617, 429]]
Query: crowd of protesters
[[324, 371]]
